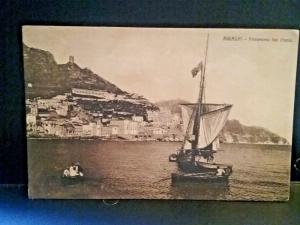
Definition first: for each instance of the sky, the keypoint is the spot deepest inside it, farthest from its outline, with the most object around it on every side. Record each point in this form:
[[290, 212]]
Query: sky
[[255, 70]]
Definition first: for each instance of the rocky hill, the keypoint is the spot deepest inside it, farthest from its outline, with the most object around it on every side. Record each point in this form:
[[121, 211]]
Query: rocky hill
[[234, 131], [45, 78]]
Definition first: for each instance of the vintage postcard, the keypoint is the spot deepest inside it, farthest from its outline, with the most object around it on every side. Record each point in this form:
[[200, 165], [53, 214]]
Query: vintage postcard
[[159, 113]]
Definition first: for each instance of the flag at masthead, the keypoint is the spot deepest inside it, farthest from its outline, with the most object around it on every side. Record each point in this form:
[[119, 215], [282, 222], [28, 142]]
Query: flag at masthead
[[196, 70]]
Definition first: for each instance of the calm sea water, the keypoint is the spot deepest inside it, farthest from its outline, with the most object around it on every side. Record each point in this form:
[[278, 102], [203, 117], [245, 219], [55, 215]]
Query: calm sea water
[[141, 170]]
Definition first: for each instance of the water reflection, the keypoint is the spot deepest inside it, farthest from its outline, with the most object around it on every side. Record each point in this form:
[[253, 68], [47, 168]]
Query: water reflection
[[192, 190]]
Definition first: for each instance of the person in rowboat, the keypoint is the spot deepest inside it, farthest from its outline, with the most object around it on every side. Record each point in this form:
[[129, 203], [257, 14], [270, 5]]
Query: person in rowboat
[[220, 172], [73, 171], [78, 169]]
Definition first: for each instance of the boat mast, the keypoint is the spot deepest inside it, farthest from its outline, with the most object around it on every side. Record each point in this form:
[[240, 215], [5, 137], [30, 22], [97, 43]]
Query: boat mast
[[196, 128]]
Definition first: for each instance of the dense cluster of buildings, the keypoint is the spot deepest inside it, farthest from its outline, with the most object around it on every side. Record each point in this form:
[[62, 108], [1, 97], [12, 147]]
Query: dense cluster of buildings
[[62, 117]]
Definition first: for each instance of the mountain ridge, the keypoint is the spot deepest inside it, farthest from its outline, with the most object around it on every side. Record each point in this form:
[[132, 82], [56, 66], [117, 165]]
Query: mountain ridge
[[45, 78], [234, 131]]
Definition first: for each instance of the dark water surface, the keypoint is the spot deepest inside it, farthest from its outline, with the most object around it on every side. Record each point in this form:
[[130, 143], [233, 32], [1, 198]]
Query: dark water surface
[[141, 170]]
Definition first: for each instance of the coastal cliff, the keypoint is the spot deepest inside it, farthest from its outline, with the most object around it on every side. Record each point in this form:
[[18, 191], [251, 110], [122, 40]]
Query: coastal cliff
[[234, 131]]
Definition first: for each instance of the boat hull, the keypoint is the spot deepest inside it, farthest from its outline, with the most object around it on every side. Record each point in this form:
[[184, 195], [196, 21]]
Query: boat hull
[[198, 178], [203, 172], [193, 167], [186, 164]]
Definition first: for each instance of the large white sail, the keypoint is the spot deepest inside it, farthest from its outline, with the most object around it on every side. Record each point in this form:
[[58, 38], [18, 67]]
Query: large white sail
[[212, 120]]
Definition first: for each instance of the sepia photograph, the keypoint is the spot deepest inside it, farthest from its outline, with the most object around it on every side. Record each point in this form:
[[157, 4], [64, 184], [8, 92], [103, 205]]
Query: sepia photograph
[[159, 113]]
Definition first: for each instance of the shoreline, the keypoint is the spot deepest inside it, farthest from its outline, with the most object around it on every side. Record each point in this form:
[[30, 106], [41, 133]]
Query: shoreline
[[98, 138], [136, 140]]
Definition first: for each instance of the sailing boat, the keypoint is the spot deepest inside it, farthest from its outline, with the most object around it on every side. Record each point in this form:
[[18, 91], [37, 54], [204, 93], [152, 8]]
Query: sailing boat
[[202, 123]]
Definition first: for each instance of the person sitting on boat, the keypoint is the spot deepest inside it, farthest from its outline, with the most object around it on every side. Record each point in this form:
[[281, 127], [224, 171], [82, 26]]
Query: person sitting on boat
[[78, 169], [220, 172], [207, 156], [181, 152], [73, 171], [210, 158], [194, 153]]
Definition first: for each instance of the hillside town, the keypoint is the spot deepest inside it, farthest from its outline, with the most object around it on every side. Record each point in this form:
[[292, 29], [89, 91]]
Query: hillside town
[[84, 113]]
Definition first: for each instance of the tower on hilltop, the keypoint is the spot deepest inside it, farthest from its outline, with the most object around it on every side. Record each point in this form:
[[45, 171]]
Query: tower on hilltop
[[71, 59]]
